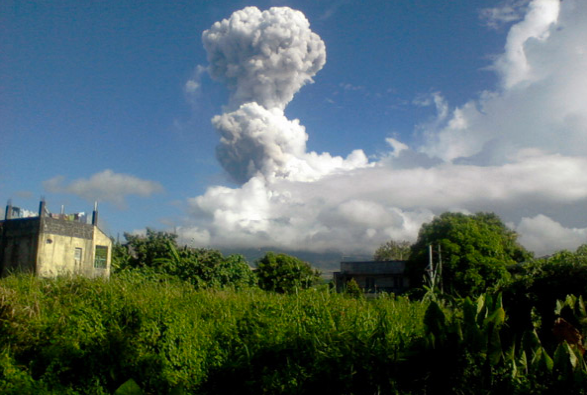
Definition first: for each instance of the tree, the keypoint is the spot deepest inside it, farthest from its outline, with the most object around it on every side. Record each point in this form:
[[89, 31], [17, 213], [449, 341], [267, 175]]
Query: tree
[[393, 250], [284, 273], [476, 251], [202, 267], [120, 256], [537, 285], [146, 250], [205, 268]]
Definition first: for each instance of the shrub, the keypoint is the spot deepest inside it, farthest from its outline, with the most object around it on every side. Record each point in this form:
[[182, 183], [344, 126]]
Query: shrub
[[284, 273]]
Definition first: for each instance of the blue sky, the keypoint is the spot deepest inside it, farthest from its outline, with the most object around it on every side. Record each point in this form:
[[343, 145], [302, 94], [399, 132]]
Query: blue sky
[[113, 101]]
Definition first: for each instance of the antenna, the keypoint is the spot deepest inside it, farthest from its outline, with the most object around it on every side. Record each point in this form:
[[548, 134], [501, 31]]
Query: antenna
[[8, 213], [42, 207], [95, 214]]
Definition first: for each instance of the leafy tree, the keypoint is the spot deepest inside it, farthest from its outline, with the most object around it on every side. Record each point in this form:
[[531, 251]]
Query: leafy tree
[[393, 250], [201, 267], [146, 251], [284, 273], [536, 286], [120, 256], [235, 271], [475, 249], [205, 268]]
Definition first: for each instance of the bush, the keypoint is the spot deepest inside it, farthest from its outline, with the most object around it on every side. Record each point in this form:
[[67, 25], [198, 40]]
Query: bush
[[284, 273]]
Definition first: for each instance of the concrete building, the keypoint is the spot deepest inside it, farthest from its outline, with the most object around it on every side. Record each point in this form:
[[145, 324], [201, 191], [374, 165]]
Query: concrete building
[[50, 245], [373, 276]]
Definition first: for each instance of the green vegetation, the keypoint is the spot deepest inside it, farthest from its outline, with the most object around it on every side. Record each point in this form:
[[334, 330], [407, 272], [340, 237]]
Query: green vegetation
[[536, 286], [157, 335], [476, 252], [284, 273], [158, 253], [476, 351], [92, 336], [393, 250]]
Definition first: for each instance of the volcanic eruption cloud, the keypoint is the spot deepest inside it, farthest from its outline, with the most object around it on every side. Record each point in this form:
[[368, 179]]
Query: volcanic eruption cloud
[[518, 150], [264, 58]]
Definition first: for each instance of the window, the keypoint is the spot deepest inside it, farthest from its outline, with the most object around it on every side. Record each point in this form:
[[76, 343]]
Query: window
[[77, 257], [101, 257]]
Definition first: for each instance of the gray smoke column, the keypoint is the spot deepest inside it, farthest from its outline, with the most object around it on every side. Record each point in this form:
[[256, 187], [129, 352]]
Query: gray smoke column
[[264, 58]]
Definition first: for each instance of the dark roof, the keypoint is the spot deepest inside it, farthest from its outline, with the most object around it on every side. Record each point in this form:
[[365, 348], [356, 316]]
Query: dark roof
[[373, 267]]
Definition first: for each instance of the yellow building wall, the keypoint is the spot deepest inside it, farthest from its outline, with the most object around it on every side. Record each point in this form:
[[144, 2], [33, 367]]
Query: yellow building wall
[[56, 255]]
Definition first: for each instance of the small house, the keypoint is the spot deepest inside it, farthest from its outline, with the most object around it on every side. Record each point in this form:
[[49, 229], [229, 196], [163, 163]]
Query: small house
[[49, 245], [373, 276]]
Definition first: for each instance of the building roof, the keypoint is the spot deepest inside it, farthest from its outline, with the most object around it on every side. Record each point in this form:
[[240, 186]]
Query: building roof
[[373, 267]]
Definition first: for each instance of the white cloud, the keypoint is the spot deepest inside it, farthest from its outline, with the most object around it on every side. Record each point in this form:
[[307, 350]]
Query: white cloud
[[540, 232], [540, 104], [299, 215], [192, 86], [514, 65], [350, 87], [105, 186], [396, 145], [510, 11], [517, 150], [335, 212]]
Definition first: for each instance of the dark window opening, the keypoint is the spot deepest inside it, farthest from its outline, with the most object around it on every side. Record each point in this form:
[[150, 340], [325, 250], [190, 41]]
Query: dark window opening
[[101, 257]]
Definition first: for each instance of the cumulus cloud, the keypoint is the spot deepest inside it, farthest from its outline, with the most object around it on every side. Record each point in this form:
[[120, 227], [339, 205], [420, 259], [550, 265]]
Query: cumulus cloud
[[351, 210], [538, 232], [105, 186], [539, 104], [300, 215], [517, 150], [514, 65]]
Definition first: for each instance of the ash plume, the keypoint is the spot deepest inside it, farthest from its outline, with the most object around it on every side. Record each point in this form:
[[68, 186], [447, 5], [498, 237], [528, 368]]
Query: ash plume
[[264, 58]]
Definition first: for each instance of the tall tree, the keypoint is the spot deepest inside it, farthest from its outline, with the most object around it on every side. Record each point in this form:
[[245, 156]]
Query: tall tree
[[393, 250], [284, 273], [475, 249]]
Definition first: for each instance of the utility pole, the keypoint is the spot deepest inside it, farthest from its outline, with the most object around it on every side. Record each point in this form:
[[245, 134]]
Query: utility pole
[[431, 274], [435, 274], [440, 270]]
